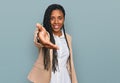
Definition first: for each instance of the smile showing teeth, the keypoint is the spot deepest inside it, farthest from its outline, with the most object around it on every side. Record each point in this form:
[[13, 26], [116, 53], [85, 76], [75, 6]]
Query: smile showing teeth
[[56, 26]]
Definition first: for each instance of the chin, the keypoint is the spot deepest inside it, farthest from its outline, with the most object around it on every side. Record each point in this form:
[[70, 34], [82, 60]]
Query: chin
[[57, 29]]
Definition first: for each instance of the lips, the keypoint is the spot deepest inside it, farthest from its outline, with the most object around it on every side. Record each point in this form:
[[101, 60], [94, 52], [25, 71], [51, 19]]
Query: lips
[[56, 27]]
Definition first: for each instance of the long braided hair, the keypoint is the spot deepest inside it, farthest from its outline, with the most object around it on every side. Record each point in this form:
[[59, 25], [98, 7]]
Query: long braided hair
[[47, 25]]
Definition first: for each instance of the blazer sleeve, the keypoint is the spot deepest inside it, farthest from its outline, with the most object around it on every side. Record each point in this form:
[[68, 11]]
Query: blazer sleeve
[[73, 73], [37, 40]]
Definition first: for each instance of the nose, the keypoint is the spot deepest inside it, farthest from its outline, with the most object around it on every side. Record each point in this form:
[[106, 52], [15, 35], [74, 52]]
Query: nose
[[56, 21]]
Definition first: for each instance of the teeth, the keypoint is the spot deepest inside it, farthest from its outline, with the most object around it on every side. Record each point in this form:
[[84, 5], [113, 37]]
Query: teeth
[[56, 26]]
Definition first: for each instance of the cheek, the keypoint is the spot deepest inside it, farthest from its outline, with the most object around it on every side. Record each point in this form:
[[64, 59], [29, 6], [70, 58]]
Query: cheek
[[62, 22], [51, 22]]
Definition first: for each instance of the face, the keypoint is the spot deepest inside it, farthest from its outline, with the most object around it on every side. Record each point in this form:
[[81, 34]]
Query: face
[[57, 21]]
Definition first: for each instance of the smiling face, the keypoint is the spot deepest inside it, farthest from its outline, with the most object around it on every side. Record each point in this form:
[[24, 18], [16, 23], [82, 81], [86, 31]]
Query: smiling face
[[57, 21]]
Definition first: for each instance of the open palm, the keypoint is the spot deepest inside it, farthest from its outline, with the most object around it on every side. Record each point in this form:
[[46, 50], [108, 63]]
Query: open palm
[[44, 37]]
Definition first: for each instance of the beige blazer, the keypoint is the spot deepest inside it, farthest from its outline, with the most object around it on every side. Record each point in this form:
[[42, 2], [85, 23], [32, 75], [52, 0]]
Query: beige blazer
[[39, 75]]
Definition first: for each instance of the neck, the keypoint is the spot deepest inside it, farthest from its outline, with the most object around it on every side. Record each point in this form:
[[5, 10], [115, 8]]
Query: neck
[[58, 33]]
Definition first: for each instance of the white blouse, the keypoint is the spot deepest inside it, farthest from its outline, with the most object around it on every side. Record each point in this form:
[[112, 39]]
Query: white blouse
[[61, 75]]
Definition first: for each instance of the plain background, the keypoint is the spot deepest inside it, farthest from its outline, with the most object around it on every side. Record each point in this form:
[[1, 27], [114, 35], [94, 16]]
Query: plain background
[[93, 24]]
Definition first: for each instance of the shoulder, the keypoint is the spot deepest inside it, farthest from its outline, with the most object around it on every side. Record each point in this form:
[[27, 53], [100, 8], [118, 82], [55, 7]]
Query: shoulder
[[68, 36]]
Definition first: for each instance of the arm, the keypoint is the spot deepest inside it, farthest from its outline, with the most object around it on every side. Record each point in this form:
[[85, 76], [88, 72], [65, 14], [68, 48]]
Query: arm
[[73, 73]]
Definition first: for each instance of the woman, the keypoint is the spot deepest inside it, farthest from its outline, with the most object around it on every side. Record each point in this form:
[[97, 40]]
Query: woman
[[55, 61]]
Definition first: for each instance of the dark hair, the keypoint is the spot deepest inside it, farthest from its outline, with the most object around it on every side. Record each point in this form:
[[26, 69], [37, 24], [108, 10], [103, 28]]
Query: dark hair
[[47, 25]]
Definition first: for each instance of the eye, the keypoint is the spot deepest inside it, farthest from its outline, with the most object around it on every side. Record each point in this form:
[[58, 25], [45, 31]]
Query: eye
[[52, 18], [60, 17]]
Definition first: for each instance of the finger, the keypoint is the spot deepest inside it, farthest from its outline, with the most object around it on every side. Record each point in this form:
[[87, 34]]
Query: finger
[[48, 44], [40, 27], [52, 46]]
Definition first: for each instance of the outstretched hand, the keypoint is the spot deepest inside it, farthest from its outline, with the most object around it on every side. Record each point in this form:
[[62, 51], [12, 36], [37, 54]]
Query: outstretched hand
[[44, 38]]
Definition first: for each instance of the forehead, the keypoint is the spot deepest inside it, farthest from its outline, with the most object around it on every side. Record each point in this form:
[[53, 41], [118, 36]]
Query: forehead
[[57, 12]]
